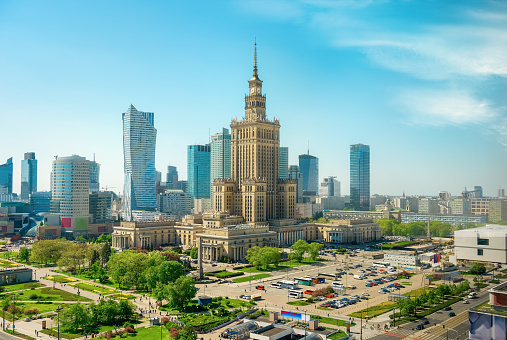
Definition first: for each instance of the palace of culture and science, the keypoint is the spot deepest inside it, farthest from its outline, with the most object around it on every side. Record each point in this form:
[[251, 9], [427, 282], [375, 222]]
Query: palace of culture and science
[[252, 208]]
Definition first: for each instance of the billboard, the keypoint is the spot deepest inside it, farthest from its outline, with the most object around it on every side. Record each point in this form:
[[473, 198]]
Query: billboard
[[296, 316], [486, 326]]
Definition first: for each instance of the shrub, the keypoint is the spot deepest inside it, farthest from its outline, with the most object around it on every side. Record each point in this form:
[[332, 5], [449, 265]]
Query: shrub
[[33, 297], [129, 329], [164, 320], [13, 309], [31, 311], [175, 333]]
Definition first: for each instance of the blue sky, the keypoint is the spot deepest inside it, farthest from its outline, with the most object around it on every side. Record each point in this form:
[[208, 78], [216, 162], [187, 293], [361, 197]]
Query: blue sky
[[422, 82]]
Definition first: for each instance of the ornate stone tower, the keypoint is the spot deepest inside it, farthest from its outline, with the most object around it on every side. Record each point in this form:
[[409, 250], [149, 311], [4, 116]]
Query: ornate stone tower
[[255, 155]]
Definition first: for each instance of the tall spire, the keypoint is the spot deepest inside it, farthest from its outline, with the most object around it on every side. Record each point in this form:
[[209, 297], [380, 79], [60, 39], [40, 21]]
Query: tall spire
[[255, 60]]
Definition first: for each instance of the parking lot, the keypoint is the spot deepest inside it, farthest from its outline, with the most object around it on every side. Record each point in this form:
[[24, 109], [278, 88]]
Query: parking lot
[[352, 295]]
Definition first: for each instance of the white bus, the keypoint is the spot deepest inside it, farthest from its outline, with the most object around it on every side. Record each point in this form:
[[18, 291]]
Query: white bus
[[337, 284], [381, 264], [276, 285], [288, 284], [295, 294]]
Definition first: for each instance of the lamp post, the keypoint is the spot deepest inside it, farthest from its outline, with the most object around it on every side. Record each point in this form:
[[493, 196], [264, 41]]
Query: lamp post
[[447, 333], [58, 320]]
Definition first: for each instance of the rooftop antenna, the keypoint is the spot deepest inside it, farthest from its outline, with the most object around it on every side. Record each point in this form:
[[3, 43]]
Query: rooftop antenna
[[94, 156], [308, 147]]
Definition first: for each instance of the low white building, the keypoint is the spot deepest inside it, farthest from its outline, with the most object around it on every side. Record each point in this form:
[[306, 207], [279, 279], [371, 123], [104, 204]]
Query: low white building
[[402, 260], [484, 244]]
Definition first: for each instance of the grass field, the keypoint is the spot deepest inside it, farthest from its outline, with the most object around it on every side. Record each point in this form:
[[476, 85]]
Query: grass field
[[148, 333], [47, 294], [60, 279], [330, 321], [226, 303], [21, 286], [373, 311], [252, 278], [299, 303], [8, 255], [90, 287], [119, 296], [337, 335], [7, 264]]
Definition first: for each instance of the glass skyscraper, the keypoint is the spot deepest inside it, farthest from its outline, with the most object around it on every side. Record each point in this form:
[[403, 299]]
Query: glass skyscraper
[[220, 161], [295, 174], [94, 176], [309, 168], [198, 171], [28, 175], [6, 177], [360, 177], [172, 177], [139, 139], [284, 162]]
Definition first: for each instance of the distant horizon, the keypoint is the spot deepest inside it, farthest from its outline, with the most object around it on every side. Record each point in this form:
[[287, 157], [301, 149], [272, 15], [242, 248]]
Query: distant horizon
[[397, 76]]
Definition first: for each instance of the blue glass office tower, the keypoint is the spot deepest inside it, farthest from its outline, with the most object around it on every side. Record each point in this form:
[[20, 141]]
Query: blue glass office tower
[[284, 162], [6, 177], [198, 171], [220, 161], [360, 177], [139, 139], [94, 176], [28, 175], [309, 168]]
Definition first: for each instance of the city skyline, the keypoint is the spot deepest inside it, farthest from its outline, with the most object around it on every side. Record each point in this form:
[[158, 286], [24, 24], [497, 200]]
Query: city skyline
[[432, 116]]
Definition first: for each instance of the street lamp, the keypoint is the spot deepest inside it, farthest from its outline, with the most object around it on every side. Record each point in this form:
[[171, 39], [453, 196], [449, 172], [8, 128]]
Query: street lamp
[[447, 333], [58, 320]]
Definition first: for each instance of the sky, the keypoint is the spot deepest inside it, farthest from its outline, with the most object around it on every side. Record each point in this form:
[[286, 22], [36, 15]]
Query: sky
[[422, 82]]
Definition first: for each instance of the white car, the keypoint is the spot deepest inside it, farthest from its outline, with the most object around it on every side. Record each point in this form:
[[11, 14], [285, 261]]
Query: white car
[[365, 294], [465, 301], [382, 291], [360, 271], [352, 287]]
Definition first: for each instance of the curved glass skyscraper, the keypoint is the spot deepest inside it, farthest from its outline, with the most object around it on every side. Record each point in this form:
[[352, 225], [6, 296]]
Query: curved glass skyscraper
[[139, 139], [360, 177]]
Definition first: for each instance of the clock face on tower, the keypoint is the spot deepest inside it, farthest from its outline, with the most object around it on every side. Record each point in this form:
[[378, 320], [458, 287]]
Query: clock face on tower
[[258, 90], [252, 90]]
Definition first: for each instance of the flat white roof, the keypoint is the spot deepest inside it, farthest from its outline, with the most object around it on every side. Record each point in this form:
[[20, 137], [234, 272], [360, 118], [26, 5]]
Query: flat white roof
[[497, 228]]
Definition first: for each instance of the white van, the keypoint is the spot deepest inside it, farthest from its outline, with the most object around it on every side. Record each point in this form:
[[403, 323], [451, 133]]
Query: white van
[[472, 295], [295, 294], [276, 285]]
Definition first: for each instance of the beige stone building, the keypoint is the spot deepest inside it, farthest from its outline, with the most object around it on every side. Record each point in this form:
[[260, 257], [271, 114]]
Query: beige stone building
[[255, 190]]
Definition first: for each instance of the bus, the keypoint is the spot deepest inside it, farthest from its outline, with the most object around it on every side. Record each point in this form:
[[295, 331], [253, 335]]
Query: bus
[[381, 264], [316, 279], [305, 281], [295, 294], [288, 284]]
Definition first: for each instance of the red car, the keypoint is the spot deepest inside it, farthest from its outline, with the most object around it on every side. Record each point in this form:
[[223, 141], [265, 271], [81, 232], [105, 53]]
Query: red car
[[385, 281], [374, 283], [324, 305], [309, 291], [330, 295]]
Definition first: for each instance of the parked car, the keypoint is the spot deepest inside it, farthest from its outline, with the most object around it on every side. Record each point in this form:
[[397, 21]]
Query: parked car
[[465, 301], [324, 305], [309, 291], [259, 287], [330, 296], [365, 294], [420, 327], [352, 287], [320, 298], [448, 308], [382, 291], [424, 321], [452, 314], [369, 285]]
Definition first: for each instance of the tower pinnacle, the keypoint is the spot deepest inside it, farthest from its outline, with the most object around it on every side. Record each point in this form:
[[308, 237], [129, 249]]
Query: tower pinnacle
[[255, 75]]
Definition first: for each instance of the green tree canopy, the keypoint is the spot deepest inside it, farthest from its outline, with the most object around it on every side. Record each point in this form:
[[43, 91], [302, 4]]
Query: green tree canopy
[[298, 250], [181, 292], [194, 252], [314, 249], [24, 254]]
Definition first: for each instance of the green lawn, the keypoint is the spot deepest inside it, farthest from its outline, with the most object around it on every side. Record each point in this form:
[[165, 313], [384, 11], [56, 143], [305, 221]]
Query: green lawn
[[324, 308], [206, 321], [41, 307], [330, 321], [20, 335], [119, 296], [252, 278], [47, 294], [7, 264], [21, 286], [90, 287], [60, 279], [8, 255], [337, 335], [149, 333], [226, 303], [222, 274], [373, 311], [300, 303], [54, 333]]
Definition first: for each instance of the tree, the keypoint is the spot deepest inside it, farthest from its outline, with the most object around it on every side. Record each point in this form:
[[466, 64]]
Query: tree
[[194, 252], [298, 250], [188, 333], [97, 270], [314, 249], [24, 254], [253, 256], [105, 252], [181, 292], [126, 310], [105, 312], [161, 292], [478, 268], [75, 317]]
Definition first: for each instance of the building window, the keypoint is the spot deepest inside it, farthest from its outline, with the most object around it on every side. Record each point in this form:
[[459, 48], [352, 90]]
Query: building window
[[480, 252], [483, 242]]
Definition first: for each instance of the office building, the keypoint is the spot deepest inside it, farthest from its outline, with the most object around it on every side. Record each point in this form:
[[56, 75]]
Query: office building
[[360, 177], [498, 210], [139, 139], [428, 206], [202, 205], [6, 177], [182, 185], [100, 206], [28, 175], [255, 190], [70, 190], [284, 162], [41, 201], [406, 261], [296, 175], [501, 193], [220, 159], [94, 176], [484, 244], [488, 320], [409, 217], [309, 168], [198, 171], [176, 202], [329, 187], [172, 177]]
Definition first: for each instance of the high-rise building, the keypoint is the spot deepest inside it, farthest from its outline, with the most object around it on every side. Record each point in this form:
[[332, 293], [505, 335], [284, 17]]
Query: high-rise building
[[70, 190], [100, 206], [94, 176], [28, 175], [220, 160], [172, 177], [284, 162], [6, 177], [360, 176], [309, 167], [176, 202], [428, 205], [501, 193], [295, 174], [498, 210], [198, 171], [139, 140], [329, 187], [41, 201], [255, 190]]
